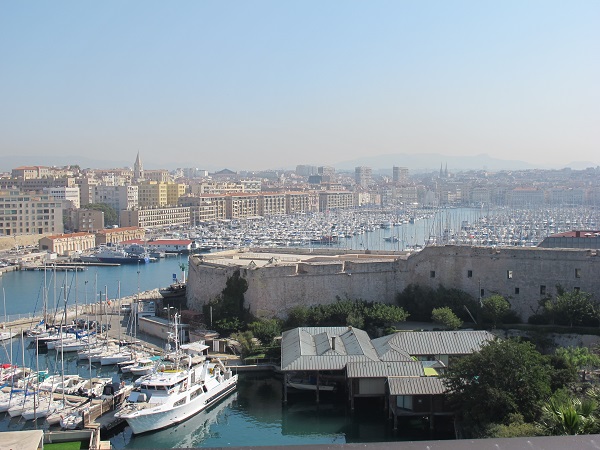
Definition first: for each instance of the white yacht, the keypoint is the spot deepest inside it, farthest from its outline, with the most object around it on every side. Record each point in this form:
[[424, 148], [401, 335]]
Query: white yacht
[[170, 396]]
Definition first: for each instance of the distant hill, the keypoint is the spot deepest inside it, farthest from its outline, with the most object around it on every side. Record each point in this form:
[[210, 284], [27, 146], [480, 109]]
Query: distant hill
[[427, 162], [416, 163]]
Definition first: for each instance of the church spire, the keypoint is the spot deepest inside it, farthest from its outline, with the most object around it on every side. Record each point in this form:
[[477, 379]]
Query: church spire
[[138, 169]]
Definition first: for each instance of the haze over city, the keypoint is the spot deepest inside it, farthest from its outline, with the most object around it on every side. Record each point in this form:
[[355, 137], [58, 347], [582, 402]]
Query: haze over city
[[254, 85]]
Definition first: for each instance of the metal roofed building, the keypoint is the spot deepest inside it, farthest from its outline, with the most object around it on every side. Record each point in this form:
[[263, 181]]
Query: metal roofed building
[[394, 368], [434, 345]]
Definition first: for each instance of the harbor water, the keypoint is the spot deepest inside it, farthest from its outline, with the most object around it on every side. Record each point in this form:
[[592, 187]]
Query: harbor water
[[255, 414]]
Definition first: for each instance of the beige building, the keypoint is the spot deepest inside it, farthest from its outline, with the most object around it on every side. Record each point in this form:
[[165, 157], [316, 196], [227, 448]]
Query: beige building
[[156, 217], [67, 244], [242, 206], [88, 220], [205, 208], [29, 213], [297, 202], [117, 235], [335, 200], [28, 172], [69, 196], [272, 204]]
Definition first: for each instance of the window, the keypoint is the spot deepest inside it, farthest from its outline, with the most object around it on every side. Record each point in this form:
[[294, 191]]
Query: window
[[516, 291], [469, 274], [432, 274], [576, 289], [482, 292], [542, 290], [577, 273], [509, 274]]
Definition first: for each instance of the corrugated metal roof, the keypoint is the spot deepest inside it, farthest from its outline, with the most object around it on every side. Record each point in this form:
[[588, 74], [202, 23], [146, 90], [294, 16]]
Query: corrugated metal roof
[[326, 362], [378, 369], [388, 353], [437, 342], [416, 386], [311, 348]]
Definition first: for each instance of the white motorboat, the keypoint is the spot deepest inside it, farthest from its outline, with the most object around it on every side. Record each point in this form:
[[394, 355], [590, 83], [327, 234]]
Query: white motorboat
[[108, 358], [62, 384], [6, 335], [172, 396], [144, 366], [169, 396]]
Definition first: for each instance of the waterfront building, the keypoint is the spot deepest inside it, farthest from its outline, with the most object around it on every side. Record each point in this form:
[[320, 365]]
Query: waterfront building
[[156, 217], [524, 197], [117, 235], [298, 202], [329, 200], [402, 368], [29, 213], [242, 206], [272, 204], [67, 244]]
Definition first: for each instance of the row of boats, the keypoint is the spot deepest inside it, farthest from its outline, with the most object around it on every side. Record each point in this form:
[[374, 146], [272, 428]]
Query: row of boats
[[166, 390]]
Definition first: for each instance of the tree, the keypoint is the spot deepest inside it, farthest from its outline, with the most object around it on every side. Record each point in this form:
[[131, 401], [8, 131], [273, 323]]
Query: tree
[[266, 330], [495, 308], [575, 308], [504, 377], [229, 306], [564, 414], [247, 342], [419, 301], [580, 358], [110, 215], [445, 317]]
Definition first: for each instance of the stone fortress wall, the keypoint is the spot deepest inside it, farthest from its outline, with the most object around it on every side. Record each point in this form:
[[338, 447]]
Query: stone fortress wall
[[522, 275]]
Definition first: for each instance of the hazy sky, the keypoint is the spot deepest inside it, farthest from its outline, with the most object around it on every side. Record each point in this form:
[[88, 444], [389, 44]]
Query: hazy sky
[[271, 84]]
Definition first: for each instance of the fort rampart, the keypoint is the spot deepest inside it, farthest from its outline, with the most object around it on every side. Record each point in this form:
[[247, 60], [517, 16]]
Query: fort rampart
[[522, 275]]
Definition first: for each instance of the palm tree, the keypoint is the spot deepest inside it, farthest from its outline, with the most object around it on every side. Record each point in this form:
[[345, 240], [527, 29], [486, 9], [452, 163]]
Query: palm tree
[[564, 415]]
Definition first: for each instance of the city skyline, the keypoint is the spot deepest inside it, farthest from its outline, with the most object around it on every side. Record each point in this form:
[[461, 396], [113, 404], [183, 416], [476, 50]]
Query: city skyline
[[265, 85]]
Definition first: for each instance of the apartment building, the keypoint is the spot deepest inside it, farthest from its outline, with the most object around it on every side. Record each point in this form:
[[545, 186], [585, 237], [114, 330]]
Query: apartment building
[[29, 213], [156, 217], [329, 200], [117, 197]]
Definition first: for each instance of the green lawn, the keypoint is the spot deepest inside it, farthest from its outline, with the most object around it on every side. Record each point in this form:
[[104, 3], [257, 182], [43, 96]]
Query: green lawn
[[63, 446]]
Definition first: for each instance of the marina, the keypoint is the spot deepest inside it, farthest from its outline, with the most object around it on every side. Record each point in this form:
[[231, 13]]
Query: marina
[[255, 410]]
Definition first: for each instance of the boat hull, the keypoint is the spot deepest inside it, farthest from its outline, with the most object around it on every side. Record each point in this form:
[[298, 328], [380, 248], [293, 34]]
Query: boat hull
[[148, 420]]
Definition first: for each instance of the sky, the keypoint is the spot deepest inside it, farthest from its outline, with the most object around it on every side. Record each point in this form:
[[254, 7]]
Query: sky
[[263, 84]]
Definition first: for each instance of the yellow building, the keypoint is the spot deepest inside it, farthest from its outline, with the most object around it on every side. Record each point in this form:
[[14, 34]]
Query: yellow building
[[67, 244]]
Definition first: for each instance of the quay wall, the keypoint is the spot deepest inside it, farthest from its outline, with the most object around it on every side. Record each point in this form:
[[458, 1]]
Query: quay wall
[[523, 276]]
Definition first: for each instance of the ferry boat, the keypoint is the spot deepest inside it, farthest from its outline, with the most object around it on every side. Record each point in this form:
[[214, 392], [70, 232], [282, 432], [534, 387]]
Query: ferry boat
[[109, 255], [171, 395]]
